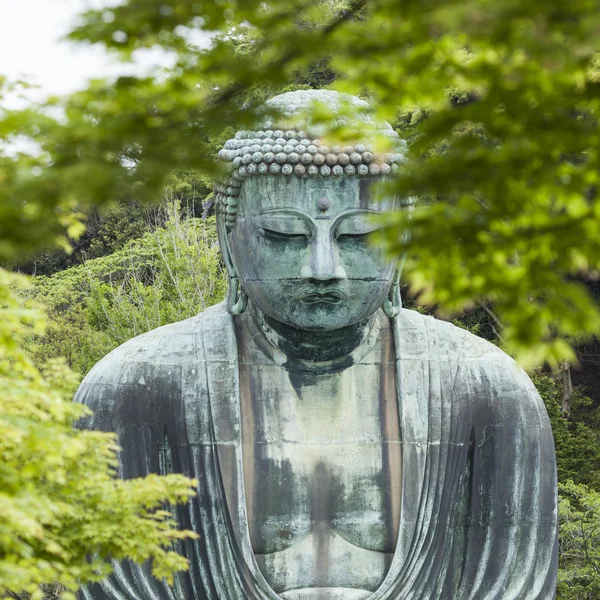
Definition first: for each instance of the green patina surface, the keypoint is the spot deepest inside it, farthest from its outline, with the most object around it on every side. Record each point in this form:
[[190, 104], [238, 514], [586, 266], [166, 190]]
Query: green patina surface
[[345, 448]]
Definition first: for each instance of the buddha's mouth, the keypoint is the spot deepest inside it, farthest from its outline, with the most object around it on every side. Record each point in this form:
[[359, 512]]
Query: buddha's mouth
[[326, 298], [311, 293]]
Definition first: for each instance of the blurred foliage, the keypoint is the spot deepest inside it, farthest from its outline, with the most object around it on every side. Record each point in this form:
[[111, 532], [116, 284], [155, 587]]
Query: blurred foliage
[[498, 100], [63, 511], [502, 98]]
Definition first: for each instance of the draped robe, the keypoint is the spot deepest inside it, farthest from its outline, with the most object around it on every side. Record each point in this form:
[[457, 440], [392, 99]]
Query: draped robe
[[478, 509]]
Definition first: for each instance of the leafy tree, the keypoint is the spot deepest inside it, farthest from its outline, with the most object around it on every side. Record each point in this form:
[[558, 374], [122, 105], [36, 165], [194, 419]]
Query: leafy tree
[[499, 100], [503, 97], [105, 232], [108, 230], [579, 577], [577, 438], [63, 511], [168, 274]]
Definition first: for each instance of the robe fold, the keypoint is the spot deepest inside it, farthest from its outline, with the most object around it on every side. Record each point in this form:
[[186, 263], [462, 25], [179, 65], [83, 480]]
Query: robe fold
[[478, 509]]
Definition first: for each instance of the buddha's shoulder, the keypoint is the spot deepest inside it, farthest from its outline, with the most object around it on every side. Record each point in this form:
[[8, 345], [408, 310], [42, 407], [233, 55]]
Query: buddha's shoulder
[[428, 333], [474, 357], [167, 349]]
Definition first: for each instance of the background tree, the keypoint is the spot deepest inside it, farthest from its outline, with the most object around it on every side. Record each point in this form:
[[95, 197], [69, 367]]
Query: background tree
[[517, 173], [169, 274], [63, 512], [580, 542], [498, 100]]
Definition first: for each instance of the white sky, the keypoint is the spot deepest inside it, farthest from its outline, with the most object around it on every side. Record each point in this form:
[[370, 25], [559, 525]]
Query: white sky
[[30, 46]]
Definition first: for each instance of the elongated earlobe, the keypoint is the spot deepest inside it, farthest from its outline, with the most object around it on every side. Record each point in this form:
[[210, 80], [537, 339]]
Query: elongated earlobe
[[393, 303], [237, 299]]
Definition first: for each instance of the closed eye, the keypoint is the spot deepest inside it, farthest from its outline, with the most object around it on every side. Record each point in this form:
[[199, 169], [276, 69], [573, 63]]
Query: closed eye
[[352, 236], [281, 235], [356, 226]]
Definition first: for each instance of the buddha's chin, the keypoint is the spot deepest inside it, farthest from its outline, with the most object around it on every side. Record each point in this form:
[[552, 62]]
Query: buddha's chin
[[316, 314], [323, 317]]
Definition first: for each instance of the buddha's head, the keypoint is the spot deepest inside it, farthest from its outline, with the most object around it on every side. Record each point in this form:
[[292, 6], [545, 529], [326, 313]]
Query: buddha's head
[[295, 216]]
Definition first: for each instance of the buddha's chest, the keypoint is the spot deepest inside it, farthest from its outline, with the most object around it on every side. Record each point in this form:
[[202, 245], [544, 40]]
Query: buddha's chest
[[322, 469], [295, 490]]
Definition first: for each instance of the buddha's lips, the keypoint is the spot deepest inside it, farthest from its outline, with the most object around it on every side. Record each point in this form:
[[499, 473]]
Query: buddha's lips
[[322, 298], [312, 294]]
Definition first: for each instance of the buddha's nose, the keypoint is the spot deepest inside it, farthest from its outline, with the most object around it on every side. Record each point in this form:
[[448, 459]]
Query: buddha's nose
[[324, 263]]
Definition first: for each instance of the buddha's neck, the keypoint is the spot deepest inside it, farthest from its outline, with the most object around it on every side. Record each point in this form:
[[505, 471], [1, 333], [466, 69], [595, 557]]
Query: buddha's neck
[[310, 345]]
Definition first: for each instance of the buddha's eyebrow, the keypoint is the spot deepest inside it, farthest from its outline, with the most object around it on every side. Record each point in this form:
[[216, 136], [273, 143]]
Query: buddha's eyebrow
[[284, 212], [356, 211]]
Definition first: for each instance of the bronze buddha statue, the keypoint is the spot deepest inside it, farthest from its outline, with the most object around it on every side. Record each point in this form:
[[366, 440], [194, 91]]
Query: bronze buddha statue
[[345, 448]]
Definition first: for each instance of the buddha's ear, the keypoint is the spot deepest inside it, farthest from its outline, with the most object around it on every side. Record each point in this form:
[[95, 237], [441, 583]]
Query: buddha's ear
[[223, 237], [237, 300]]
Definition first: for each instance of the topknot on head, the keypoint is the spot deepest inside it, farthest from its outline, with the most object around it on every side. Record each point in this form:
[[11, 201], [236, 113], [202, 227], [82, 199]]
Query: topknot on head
[[296, 109]]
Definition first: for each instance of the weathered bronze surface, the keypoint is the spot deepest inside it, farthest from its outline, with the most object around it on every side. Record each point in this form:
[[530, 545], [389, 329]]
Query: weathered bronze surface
[[345, 448]]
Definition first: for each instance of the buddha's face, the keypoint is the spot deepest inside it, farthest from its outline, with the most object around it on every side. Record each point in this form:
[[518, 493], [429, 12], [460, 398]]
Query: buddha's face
[[301, 250]]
